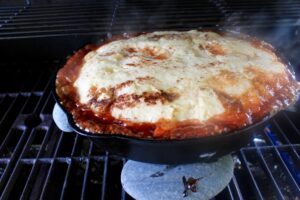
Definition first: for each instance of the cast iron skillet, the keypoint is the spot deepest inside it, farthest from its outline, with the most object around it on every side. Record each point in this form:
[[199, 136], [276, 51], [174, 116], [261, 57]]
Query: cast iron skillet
[[205, 149]]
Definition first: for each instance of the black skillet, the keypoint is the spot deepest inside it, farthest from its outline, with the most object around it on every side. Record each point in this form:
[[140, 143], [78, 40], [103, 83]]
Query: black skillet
[[203, 149]]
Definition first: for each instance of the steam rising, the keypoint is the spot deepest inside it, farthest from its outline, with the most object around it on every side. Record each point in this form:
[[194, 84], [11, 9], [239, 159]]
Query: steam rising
[[276, 22]]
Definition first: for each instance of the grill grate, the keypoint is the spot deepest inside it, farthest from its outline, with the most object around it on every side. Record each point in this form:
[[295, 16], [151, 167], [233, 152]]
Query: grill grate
[[9, 13], [161, 15], [59, 19], [259, 13], [39, 161], [98, 17]]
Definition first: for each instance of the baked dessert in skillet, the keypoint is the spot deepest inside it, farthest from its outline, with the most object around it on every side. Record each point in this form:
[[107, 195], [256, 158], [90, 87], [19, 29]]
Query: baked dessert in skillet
[[174, 85]]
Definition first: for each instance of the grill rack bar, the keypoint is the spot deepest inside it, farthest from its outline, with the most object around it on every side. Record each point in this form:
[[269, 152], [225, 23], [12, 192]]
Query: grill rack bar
[[86, 173], [103, 188], [43, 192], [67, 177], [257, 191], [33, 171], [235, 189], [269, 173], [229, 192]]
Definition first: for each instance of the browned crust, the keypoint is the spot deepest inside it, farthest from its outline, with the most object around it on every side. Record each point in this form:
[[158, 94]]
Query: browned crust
[[266, 95], [67, 75], [216, 49]]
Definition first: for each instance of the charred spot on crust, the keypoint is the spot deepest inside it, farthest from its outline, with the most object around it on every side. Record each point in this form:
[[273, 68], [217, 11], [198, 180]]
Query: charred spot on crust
[[150, 52], [171, 36], [131, 50], [124, 84], [230, 103], [133, 64], [215, 49], [108, 54], [101, 105], [126, 101], [150, 98], [209, 65], [156, 37], [201, 47], [95, 92], [168, 96], [154, 53], [145, 78], [261, 45]]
